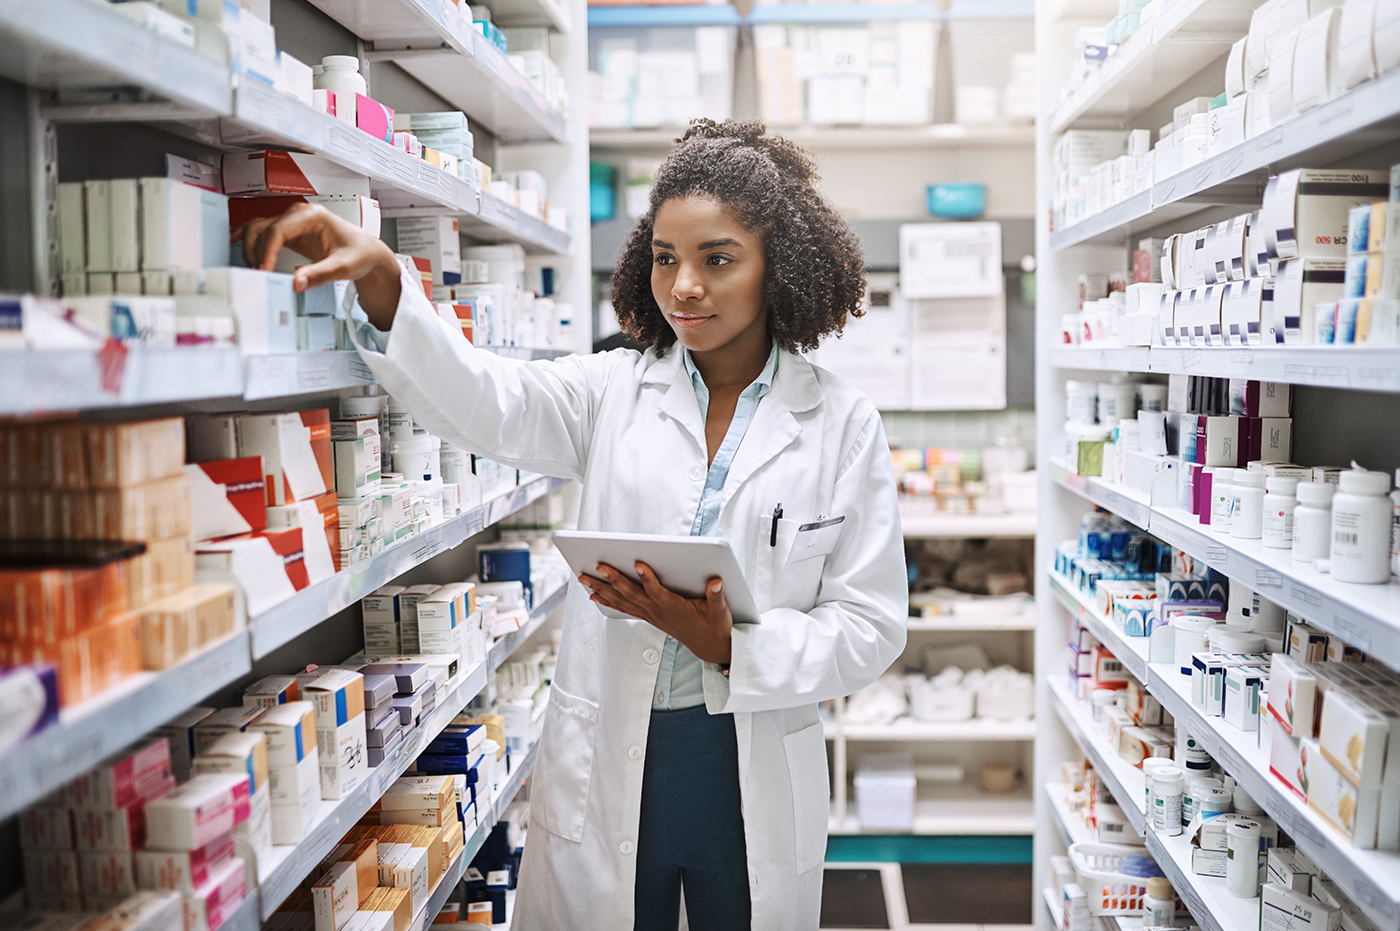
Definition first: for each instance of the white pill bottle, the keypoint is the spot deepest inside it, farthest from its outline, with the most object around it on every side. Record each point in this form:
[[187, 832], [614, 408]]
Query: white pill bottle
[[1361, 518]]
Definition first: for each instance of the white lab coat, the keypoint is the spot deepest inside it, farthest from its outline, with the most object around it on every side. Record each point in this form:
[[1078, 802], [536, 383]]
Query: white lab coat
[[628, 427]]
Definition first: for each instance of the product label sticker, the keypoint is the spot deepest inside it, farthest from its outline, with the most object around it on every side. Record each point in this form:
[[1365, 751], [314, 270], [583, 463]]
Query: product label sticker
[[815, 539]]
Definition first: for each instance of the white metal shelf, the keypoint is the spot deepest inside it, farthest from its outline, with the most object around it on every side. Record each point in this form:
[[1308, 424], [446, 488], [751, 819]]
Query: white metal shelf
[[514, 782], [1370, 877], [1364, 368], [551, 13], [955, 810], [1071, 826], [1125, 782], [404, 185], [843, 138], [1204, 896], [1156, 60], [1131, 651], [1108, 495], [89, 733], [922, 520], [497, 221], [1358, 120], [454, 61], [502, 649], [78, 44], [956, 622], [306, 609], [907, 729], [1366, 616], [280, 874]]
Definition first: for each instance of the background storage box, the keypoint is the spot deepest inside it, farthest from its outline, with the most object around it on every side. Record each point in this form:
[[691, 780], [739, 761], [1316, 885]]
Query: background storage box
[[660, 76]]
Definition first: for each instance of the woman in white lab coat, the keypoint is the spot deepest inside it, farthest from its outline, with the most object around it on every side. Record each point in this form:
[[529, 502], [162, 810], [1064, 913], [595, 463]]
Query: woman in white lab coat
[[682, 756]]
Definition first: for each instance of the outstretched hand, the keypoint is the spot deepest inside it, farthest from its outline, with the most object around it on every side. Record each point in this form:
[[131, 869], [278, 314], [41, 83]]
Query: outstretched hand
[[338, 251], [703, 625]]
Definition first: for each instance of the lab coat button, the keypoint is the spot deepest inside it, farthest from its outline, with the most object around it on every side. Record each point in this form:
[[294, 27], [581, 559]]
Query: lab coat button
[[634, 753], [650, 657], [627, 848], [696, 473]]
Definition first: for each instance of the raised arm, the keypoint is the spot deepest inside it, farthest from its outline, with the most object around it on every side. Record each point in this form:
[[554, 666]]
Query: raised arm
[[534, 415]]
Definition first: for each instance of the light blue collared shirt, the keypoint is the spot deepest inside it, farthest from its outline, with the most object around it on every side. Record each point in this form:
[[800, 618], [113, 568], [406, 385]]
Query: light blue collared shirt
[[679, 680]]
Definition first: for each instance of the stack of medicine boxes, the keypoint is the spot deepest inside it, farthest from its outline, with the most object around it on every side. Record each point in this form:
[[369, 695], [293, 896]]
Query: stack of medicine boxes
[[358, 462]]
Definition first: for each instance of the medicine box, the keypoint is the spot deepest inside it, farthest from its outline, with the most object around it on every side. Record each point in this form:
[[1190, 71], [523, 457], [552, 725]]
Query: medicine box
[[1283, 909], [293, 768], [340, 731], [1352, 810], [335, 897], [275, 171], [357, 462], [212, 903], [1305, 210], [439, 618], [435, 239], [1240, 706], [227, 497], [1289, 868], [183, 870], [1353, 737], [1292, 693], [270, 691], [380, 612], [197, 812], [221, 722], [296, 453], [234, 754], [120, 782], [120, 831]]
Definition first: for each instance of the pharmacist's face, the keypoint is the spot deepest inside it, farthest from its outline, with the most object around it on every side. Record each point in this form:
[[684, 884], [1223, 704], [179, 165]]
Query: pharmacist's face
[[707, 274]]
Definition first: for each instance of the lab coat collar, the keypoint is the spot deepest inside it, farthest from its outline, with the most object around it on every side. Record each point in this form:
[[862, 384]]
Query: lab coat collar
[[796, 383]]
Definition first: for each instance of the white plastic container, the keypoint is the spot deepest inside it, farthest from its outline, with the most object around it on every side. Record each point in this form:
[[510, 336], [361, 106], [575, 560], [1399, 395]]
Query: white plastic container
[[400, 424], [1215, 801], [1190, 637], [1361, 517], [1312, 522], [1242, 863], [340, 74], [1244, 803], [1152, 767], [1395, 527], [1168, 787], [1152, 397], [1159, 906], [1222, 499], [413, 458], [1102, 698], [1117, 401], [1247, 519], [1081, 401], [1195, 786], [1279, 504], [1239, 641]]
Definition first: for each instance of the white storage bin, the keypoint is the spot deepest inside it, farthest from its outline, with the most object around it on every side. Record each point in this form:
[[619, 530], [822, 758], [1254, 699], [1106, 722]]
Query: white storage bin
[[659, 75], [994, 72], [1006, 694], [885, 791], [931, 700]]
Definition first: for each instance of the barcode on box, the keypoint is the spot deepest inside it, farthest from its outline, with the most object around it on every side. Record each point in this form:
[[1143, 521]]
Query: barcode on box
[[1344, 538]]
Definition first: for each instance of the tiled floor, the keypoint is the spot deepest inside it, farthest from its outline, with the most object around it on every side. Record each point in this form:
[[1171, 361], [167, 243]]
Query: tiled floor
[[926, 897]]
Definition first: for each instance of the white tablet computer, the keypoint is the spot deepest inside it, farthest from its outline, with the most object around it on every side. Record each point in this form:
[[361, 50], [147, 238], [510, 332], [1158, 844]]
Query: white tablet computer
[[682, 564]]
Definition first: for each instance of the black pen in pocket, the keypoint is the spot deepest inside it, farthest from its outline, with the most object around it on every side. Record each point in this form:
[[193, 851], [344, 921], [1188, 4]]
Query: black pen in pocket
[[777, 516]]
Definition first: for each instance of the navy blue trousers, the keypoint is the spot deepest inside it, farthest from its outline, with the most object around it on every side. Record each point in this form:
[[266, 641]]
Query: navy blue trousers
[[692, 828]]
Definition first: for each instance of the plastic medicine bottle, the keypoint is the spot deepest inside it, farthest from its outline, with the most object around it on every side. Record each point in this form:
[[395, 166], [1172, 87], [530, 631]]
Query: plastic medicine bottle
[[1242, 858], [1222, 499], [1168, 787], [1312, 522], [1361, 518], [1279, 504], [1159, 905], [341, 75], [1247, 521]]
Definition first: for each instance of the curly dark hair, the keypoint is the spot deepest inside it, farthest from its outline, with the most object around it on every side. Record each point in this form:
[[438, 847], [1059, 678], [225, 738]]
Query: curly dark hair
[[815, 270]]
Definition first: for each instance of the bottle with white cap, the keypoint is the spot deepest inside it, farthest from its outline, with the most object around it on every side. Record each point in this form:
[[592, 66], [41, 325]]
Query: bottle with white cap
[[1242, 858], [1279, 505], [340, 74], [1159, 905], [1395, 527], [1361, 517], [1312, 522], [1247, 521], [1222, 499]]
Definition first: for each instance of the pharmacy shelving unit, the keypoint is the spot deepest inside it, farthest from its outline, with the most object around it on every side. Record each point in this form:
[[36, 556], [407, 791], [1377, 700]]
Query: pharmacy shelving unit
[[1181, 54], [77, 62], [942, 809]]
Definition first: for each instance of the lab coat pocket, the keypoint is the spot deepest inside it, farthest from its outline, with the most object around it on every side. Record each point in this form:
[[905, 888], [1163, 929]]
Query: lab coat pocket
[[811, 793], [783, 584], [565, 768]]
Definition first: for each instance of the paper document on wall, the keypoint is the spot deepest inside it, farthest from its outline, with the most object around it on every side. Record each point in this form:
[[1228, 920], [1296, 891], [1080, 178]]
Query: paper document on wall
[[959, 354], [873, 351], [950, 260]]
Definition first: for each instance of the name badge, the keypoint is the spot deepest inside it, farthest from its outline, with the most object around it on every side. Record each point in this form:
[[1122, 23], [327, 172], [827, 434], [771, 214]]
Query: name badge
[[815, 539]]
